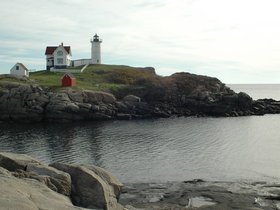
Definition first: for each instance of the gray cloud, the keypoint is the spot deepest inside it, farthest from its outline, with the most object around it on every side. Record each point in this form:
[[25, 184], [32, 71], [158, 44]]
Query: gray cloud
[[210, 36]]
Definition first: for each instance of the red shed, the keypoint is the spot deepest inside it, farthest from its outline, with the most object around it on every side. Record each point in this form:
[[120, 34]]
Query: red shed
[[68, 80]]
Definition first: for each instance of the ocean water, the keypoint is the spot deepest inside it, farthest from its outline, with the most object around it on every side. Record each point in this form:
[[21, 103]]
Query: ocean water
[[174, 149], [258, 91]]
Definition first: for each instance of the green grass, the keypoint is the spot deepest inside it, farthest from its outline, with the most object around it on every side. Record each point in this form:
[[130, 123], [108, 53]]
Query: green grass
[[47, 79], [95, 77], [6, 80]]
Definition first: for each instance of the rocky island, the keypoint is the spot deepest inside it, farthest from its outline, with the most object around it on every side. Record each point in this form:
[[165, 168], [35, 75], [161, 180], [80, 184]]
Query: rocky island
[[28, 184], [121, 92]]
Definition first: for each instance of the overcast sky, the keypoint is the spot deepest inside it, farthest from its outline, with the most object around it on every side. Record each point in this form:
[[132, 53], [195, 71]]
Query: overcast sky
[[237, 41]]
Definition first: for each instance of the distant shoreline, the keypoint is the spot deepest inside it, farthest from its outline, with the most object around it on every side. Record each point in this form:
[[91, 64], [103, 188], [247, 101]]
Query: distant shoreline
[[109, 92]]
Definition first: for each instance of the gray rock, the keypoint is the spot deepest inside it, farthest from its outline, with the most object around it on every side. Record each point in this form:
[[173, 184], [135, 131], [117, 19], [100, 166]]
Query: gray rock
[[60, 179], [95, 97], [33, 96], [12, 162], [95, 108], [230, 99], [200, 195], [129, 207], [131, 98], [123, 116], [59, 97], [99, 116], [62, 109], [109, 178], [29, 194], [89, 189], [20, 103], [76, 96], [22, 164], [244, 101], [84, 107], [72, 107], [42, 99], [121, 106]]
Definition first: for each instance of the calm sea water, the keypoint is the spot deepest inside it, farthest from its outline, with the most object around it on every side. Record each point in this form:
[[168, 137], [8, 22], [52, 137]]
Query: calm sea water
[[175, 149], [258, 91]]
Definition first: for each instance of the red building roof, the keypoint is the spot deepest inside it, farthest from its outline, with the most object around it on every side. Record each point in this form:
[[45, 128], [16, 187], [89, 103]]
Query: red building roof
[[68, 80], [68, 74], [50, 50]]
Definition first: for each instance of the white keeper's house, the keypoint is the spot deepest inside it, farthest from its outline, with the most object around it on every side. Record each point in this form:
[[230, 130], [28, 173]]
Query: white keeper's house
[[58, 57], [20, 70]]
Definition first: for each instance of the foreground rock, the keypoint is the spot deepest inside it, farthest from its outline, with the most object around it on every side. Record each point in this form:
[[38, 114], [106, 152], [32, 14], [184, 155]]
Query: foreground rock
[[92, 186], [28, 184], [201, 195], [29, 194], [58, 181], [13, 162]]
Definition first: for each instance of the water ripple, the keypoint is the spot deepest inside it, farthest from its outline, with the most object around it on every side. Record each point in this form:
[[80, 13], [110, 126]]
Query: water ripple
[[176, 149]]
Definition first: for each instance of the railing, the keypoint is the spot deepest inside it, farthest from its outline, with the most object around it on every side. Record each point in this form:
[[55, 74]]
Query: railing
[[66, 70]]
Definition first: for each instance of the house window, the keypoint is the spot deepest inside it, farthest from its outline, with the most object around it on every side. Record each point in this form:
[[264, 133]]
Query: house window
[[59, 53], [17, 67], [60, 61]]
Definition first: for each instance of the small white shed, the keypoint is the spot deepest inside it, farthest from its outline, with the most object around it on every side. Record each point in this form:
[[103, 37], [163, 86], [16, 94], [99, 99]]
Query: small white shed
[[20, 70]]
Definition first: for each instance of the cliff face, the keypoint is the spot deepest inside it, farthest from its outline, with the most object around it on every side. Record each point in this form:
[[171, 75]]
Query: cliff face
[[185, 94], [181, 94]]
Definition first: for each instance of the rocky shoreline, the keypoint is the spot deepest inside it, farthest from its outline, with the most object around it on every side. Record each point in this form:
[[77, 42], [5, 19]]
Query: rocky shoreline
[[202, 195], [28, 184], [31, 103]]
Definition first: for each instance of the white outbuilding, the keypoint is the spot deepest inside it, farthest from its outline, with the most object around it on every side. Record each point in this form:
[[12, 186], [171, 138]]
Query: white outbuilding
[[20, 70]]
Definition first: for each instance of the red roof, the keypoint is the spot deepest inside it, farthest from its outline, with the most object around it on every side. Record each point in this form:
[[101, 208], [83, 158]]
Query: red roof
[[68, 80], [69, 75], [50, 50]]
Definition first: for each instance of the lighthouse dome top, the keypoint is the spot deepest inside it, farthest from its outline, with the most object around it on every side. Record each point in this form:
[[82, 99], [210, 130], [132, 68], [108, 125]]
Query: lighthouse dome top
[[96, 38]]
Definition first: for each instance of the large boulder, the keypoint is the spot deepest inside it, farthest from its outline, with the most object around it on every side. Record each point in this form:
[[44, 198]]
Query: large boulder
[[59, 181], [109, 178], [231, 99], [96, 97], [244, 101], [27, 167], [61, 108], [92, 187], [131, 98], [29, 194], [76, 95], [132, 106], [22, 103], [13, 162]]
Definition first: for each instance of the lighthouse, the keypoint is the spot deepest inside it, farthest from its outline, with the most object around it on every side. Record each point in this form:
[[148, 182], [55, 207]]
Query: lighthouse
[[96, 49]]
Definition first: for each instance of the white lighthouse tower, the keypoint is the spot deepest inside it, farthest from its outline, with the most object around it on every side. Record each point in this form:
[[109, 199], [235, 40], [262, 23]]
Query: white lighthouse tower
[[95, 50]]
